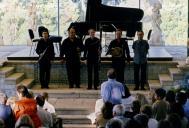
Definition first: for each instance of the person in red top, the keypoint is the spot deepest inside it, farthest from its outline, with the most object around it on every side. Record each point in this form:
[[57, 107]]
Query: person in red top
[[26, 105]]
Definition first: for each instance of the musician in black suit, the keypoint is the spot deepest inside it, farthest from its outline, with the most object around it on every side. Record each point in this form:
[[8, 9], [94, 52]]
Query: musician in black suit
[[71, 48], [118, 48], [45, 50], [92, 54]]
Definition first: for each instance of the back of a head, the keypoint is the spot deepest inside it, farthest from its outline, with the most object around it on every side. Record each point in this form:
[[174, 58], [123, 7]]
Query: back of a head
[[178, 109], [170, 96], [45, 95], [164, 124], [23, 91], [107, 110], [142, 119], [136, 106], [181, 98], [118, 110], [146, 109], [24, 121], [111, 73], [40, 100], [132, 124], [160, 92], [114, 123], [175, 120]]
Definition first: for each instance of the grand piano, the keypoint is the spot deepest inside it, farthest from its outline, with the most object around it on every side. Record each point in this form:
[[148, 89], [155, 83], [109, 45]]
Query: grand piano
[[107, 18]]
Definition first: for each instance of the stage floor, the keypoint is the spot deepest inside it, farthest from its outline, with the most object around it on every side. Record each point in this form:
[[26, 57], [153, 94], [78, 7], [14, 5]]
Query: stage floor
[[155, 54]]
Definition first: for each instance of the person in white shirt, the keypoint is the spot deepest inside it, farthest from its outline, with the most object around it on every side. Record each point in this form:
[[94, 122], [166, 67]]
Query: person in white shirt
[[47, 106]]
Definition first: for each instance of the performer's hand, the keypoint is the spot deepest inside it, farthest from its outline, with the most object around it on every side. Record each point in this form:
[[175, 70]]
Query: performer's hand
[[128, 62], [85, 61]]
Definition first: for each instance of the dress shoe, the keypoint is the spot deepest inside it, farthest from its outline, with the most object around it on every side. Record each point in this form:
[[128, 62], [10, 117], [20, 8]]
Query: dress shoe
[[89, 88], [136, 88], [143, 88]]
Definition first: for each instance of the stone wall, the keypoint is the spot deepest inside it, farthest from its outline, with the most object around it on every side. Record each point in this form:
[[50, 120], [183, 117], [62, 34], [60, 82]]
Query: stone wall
[[58, 70]]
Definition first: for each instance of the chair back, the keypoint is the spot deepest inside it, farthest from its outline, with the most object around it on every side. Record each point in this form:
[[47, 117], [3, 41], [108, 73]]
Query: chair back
[[31, 34]]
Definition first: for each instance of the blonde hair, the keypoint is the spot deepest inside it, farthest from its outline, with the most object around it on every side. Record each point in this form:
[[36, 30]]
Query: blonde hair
[[141, 98]]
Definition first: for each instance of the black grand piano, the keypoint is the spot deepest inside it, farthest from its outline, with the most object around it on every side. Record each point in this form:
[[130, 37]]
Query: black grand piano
[[108, 18]]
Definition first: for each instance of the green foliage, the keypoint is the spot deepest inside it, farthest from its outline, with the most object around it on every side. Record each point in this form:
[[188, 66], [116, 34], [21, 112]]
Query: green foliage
[[16, 16]]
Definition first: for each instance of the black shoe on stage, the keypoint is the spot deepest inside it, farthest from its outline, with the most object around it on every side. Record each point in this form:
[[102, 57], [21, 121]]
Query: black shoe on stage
[[136, 88]]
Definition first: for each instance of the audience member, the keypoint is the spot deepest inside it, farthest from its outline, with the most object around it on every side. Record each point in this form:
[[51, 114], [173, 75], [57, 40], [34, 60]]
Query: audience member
[[178, 109], [175, 120], [142, 119], [186, 106], [105, 115], [160, 107], [118, 113], [147, 109], [24, 121], [135, 109], [142, 98], [47, 106], [170, 97], [114, 123], [112, 90], [45, 116], [164, 124], [127, 100], [132, 124], [6, 113], [26, 105], [11, 101]]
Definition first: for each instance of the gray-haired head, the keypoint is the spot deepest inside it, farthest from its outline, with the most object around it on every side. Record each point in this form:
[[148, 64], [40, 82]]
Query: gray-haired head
[[118, 110]]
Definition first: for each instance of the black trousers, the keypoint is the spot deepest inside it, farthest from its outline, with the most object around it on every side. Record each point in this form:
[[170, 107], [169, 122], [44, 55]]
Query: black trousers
[[119, 66], [73, 73], [140, 74], [93, 67], [44, 73]]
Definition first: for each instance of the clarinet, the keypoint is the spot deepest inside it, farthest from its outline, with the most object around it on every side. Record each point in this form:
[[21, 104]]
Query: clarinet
[[42, 54]]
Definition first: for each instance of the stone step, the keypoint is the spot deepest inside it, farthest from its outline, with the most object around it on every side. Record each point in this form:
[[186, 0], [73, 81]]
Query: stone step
[[27, 82], [69, 93], [14, 78], [6, 71], [176, 73], [78, 105], [72, 111], [166, 81], [75, 119], [79, 126], [154, 84]]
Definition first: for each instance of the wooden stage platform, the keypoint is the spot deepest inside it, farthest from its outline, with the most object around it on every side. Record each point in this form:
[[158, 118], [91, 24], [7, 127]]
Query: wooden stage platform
[[155, 54]]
